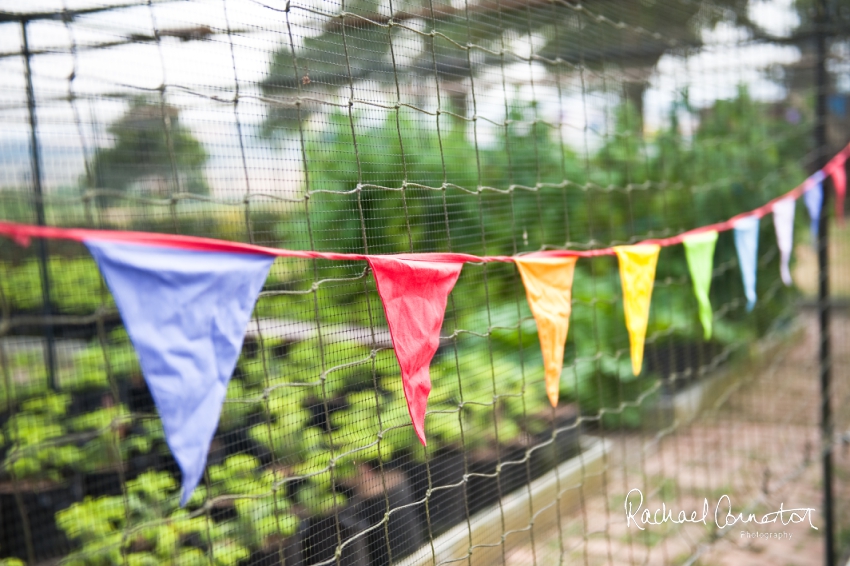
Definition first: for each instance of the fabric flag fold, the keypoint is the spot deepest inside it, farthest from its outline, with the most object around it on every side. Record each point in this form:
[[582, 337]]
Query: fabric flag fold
[[414, 294], [747, 246], [637, 276], [783, 223], [835, 169], [186, 313], [548, 288], [699, 250], [813, 197]]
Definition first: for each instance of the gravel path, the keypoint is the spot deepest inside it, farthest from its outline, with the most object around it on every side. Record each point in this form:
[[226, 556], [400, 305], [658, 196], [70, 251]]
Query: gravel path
[[759, 448]]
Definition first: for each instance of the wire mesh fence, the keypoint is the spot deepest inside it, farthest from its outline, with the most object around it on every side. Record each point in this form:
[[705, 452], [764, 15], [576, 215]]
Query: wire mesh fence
[[480, 126]]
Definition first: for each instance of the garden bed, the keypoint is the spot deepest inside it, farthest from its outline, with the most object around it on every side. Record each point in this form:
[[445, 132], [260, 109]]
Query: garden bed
[[536, 507]]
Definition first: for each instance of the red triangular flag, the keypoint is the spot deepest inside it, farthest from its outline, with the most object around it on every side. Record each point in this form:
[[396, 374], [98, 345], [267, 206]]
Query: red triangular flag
[[414, 293], [835, 168]]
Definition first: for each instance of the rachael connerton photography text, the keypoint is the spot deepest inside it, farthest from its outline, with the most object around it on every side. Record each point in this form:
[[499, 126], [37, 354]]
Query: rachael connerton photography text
[[723, 515]]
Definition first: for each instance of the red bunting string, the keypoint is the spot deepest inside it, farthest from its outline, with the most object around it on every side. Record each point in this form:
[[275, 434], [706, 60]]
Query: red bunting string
[[835, 169], [413, 287], [22, 233]]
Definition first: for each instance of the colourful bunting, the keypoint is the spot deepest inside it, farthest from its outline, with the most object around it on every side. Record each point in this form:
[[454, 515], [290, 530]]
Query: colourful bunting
[[414, 293], [186, 302], [699, 250], [548, 287], [835, 168], [813, 197], [637, 276], [186, 313], [747, 246], [783, 223]]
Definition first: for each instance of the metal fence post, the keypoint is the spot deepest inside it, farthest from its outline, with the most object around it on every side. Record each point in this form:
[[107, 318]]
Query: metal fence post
[[823, 290], [35, 158]]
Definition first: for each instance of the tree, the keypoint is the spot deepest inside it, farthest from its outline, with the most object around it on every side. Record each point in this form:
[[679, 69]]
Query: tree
[[152, 153], [366, 44]]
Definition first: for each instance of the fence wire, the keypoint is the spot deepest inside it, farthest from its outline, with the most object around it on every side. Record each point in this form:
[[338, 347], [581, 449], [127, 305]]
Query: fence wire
[[380, 127]]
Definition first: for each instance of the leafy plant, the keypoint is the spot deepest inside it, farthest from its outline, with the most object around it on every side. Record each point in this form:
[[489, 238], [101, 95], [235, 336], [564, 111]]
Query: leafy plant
[[104, 451], [358, 429], [324, 475], [89, 365], [79, 277], [149, 528], [27, 376], [145, 436], [236, 407], [37, 451], [264, 514], [285, 420], [343, 365]]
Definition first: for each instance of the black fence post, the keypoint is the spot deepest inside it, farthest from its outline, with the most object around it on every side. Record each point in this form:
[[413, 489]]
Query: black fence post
[[35, 158], [823, 289]]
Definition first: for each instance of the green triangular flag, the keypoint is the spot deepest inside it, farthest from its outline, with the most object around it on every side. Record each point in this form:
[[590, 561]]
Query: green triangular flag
[[699, 250]]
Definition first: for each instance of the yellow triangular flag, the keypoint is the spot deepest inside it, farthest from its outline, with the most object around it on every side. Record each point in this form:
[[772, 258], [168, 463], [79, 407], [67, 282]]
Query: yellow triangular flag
[[637, 274], [548, 287]]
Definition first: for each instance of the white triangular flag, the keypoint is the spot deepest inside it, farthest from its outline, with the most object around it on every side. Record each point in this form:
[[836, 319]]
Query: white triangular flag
[[783, 223]]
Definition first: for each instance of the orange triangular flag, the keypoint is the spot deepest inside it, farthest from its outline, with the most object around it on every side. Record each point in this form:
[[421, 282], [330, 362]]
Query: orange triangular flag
[[548, 287], [637, 275]]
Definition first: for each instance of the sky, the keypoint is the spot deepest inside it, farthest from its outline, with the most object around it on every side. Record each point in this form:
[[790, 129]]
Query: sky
[[194, 71]]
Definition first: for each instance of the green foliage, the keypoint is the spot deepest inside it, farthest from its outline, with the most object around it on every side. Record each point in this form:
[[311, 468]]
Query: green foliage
[[406, 154], [38, 450], [159, 531], [261, 521], [346, 53], [323, 472], [84, 371], [104, 450], [486, 382], [263, 514], [51, 406], [358, 428], [89, 369], [78, 278], [285, 420], [236, 405], [27, 376], [607, 388], [380, 163]]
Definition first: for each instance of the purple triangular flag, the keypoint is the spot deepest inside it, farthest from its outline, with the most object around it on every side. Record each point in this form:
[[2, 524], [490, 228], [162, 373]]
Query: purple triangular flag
[[186, 312]]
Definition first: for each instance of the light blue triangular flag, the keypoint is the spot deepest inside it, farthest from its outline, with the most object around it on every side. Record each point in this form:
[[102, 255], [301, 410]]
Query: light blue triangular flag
[[186, 312], [813, 198], [747, 246]]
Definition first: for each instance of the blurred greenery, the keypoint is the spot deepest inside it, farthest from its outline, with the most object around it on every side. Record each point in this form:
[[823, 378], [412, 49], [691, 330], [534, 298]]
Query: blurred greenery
[[309, 404], [332, 58], [162, 532], [21, 285], [35, 434], [153, 149]]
